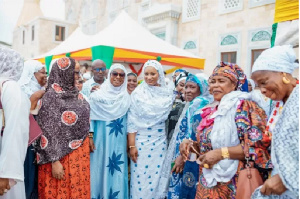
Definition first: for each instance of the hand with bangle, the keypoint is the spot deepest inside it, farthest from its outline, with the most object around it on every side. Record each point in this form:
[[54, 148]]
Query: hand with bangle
[[209, 159], [133, 153]]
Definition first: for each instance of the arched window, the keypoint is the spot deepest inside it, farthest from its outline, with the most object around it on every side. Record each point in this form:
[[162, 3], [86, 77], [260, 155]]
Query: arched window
[[261, 36], [229, 40], [190, 45]]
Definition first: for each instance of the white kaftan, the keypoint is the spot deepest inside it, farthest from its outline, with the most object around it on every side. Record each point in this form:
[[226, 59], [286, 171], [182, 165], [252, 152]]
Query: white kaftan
[[14, 142]]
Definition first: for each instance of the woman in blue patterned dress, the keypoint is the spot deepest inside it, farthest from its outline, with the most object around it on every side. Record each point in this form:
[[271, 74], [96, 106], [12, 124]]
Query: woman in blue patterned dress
[[108, 134], [196, 88], [151, 103]]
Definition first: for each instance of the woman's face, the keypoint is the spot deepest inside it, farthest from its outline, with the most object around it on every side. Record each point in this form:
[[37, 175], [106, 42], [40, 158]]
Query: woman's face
[[117, 77], [220, 86], [174, 76], [79, 84], [180, 86], [131, 83], [249, 87], [192, 90], [77, 71], [270, 84], [151, 76], [41, 77]]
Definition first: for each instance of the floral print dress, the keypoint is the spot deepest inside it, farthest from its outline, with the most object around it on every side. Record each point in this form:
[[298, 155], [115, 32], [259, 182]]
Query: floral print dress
[[251, 119]]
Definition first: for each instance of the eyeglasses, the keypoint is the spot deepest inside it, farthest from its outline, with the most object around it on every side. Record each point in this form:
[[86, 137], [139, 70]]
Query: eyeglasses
[[99, 69], [115, 74]]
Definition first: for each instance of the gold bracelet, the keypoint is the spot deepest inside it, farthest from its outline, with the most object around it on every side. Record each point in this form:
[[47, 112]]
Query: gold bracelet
[[225, 153], [131, 147]]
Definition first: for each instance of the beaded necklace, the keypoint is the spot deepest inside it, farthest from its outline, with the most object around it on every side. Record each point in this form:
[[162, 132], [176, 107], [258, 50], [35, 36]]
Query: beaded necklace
[[275, 115]]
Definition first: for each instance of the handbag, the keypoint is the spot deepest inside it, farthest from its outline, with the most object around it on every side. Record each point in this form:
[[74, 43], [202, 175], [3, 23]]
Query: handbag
[[34, 129], [249, 179]]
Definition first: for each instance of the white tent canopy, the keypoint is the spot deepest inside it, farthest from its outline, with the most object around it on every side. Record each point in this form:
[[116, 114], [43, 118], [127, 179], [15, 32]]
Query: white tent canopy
[[124, 33]]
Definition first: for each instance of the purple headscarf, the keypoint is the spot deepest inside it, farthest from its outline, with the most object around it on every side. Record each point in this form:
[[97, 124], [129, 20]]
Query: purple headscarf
[[64, 115]]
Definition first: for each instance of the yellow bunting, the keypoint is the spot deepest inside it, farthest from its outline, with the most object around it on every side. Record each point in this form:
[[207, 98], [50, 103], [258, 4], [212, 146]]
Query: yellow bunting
[[286, 10]]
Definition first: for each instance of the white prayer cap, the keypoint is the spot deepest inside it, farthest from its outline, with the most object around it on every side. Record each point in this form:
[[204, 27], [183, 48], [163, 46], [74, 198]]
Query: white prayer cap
[[278, 59]]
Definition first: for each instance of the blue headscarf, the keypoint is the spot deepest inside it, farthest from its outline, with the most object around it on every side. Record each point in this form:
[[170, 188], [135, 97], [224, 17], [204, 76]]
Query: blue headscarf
[[203, 85], [180, 70]]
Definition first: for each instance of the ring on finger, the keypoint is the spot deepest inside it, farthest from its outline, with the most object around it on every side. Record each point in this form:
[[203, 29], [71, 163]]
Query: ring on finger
[[206, 166]]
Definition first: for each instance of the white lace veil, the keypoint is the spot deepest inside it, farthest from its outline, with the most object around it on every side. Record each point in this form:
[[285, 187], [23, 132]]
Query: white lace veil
[[11, 64], [28, 82]]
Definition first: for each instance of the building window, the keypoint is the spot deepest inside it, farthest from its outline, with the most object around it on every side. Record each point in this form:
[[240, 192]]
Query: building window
[[161, 35], [23, 37], [255, 54], [261, 36], [191, 10], [190, 45], [228, 57], [226, 6], [229, 40], [59, 33], [256, 3], [32, 33]]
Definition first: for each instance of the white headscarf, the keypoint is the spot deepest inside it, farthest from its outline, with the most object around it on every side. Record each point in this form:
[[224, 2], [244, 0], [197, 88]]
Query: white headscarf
[[109, 102], [28, 82], [11, 64], [251, 81], [150, 105], [278, 59]]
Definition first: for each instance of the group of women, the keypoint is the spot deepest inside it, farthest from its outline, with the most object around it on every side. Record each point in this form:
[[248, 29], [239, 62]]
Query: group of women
[[184, 140]]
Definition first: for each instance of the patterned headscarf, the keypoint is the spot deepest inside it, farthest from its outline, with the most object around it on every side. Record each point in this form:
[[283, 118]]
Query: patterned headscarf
[[64, 115], [11, 64], [180, 77], [234, 73], [28, 82], [178, 71]]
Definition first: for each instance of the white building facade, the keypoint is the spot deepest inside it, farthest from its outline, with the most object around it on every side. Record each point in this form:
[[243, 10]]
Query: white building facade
[[216, 30]]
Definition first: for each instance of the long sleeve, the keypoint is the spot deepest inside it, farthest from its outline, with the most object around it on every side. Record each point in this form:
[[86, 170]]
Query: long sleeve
[[131, 127], [15, 137], [251, 119]]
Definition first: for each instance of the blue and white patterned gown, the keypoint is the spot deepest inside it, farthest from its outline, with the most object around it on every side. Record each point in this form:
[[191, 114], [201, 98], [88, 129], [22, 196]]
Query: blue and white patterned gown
[[109, 168]]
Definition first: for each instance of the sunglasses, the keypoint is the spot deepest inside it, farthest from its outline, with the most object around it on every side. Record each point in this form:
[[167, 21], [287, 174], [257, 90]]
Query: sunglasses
[[99, 69], [115, 74]]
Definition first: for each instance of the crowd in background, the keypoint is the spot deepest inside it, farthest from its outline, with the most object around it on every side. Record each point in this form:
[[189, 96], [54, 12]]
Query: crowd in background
[[101, 134]]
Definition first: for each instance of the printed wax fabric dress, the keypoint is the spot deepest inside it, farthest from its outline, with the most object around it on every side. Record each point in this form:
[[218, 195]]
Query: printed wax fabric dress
[[64, 120], [249, 118], [109, 167], [109, 176]]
